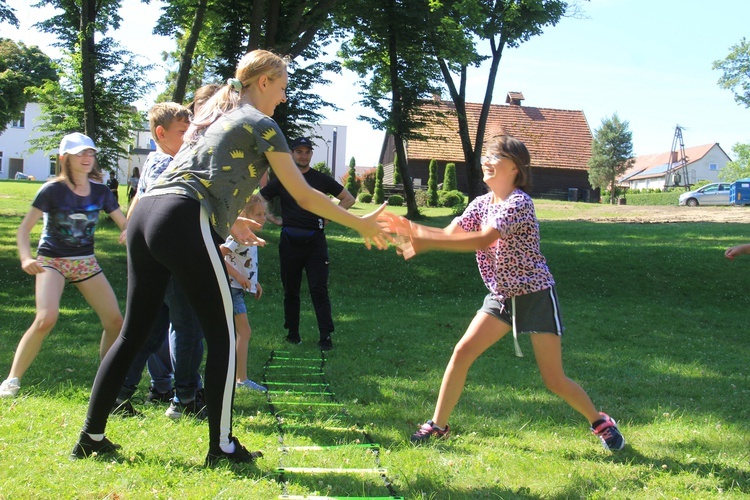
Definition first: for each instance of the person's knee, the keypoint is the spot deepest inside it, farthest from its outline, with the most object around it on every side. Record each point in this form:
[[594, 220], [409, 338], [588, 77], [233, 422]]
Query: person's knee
[[45, 320], [112, 322], [557, 384]]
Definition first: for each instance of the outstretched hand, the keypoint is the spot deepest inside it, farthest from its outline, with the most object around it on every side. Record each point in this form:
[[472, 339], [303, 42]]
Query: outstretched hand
[[242, 232], [403, 229], [373, 232]]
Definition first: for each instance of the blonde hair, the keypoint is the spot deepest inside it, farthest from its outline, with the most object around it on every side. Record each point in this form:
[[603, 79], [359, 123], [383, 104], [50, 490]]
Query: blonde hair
[[250, 68], [64, 175], [164, 113], [255, 200]]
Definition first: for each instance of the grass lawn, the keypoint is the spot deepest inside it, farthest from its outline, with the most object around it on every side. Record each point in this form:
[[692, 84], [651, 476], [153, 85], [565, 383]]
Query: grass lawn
[[656, 332]]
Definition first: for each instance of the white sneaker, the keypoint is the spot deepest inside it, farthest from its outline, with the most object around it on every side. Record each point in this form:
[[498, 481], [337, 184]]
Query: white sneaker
[[9, 387], [250, 385]]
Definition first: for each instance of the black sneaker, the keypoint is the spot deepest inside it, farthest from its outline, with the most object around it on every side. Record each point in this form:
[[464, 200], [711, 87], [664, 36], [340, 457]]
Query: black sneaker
[[239, 456], [293, 338], [194, 408], [325, 344], [124, 408], [155, 396], [86, 447]]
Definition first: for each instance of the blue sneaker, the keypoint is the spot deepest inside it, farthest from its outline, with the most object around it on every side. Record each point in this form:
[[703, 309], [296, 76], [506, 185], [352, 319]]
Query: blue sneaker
[[250, 385], [606, 430]]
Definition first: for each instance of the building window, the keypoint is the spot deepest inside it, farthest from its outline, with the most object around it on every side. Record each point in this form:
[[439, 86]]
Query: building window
[[1, 162], [52, 165], [713, 167], [20, 122]]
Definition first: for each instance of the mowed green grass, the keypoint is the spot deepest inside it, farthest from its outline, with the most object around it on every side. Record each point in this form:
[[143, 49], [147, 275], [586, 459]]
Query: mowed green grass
[[656, 332]]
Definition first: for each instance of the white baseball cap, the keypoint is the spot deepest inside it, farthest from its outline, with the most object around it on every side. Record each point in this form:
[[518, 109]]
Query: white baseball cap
[[75, 143]]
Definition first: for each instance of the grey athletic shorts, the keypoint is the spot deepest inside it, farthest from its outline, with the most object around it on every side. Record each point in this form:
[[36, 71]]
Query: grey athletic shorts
[[537, 312]]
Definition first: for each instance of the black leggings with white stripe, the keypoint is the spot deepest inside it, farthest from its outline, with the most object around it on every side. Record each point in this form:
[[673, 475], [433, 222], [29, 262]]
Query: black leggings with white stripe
[[170, 235]]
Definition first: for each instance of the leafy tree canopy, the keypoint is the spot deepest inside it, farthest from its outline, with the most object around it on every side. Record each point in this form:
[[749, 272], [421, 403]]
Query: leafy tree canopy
[[736, 72], [740, 168], [21, 68], [7, 14]]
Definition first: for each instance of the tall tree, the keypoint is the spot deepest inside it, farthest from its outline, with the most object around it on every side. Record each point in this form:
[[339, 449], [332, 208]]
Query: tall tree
[[227, 29], [502, 23], [21, 68], [388, 47], [62, 107], [736, 72], [100, 81], [611, 154]]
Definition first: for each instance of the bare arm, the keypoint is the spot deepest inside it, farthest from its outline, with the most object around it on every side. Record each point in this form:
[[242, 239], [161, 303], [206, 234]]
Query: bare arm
[[314, 201], [346, 200], [732, 252], [422, 238], [23, 240], [122, 223]]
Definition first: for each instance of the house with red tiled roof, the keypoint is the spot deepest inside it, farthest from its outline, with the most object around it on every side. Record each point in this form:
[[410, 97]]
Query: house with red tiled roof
[[559, 142], [660, 170]]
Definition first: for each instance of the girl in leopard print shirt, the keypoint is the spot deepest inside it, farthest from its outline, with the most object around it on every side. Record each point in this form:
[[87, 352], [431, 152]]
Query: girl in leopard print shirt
[[502, 228]]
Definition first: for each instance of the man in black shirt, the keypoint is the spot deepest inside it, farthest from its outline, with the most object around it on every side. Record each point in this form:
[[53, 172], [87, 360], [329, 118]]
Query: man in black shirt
[[303, 245]]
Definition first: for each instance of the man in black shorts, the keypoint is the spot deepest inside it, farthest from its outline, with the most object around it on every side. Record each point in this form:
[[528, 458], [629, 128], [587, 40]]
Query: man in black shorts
[[303, 245]]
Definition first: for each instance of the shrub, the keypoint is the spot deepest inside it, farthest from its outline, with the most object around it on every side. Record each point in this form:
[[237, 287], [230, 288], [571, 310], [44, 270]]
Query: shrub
[[449, 180], [379, 194], [422, 198], [396, 173], [432, 187], [450, 198], [352, 183], [364, 198], [396, 200], [368, 180]]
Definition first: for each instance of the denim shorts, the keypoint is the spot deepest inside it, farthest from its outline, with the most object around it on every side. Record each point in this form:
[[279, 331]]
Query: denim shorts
[[238, 301], [537, 312], [73, 269]]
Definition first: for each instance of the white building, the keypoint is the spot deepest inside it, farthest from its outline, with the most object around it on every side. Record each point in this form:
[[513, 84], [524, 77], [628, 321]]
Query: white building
[[656, 171], [329, 148], [16, 158], [329, 141]]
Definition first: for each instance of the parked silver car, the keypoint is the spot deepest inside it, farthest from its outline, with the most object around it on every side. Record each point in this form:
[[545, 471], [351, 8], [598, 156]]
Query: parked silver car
[[710, 194]]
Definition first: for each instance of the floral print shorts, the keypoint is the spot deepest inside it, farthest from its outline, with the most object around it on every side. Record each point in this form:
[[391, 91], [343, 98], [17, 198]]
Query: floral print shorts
[[73, 269]]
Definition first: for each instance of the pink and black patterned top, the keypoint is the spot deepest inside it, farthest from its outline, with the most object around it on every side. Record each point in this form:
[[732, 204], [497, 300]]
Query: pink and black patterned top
[[513, 265]]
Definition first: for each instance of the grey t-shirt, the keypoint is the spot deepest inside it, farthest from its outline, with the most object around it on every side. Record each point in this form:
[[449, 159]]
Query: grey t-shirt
[[223, 167]]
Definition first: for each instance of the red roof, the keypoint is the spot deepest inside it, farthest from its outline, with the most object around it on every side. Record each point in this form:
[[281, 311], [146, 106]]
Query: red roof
[[644, 163], [555, 137]]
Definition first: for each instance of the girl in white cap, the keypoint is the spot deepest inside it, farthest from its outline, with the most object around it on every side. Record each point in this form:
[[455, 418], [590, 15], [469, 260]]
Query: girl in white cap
[[70, 204]]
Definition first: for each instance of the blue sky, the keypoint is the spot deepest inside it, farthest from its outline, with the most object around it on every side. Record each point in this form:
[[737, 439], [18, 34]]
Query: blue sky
[[649, 61]]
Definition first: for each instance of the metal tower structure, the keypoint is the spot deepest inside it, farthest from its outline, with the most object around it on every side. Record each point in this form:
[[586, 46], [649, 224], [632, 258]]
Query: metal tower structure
[[677, 172]]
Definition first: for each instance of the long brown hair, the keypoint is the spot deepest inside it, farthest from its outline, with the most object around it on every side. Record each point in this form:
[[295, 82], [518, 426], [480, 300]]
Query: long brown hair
[[250, 68], [63, 165], [514, 149]]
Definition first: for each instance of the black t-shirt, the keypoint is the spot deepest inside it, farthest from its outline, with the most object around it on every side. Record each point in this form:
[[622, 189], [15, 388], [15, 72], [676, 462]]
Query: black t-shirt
[[291, 213]]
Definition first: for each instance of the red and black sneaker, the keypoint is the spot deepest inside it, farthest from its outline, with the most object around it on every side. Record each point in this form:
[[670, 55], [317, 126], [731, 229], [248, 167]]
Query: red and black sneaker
[[429, 430], [606, 430]]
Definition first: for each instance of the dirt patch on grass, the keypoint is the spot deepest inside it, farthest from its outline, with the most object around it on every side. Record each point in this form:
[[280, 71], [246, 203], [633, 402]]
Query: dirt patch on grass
[[654, 214]]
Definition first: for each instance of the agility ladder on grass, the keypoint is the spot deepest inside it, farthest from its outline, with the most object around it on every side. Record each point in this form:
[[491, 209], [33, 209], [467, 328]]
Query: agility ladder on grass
[[296, 383]]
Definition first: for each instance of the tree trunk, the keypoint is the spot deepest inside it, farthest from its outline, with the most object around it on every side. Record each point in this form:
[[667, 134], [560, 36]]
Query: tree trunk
[[256, 23], [186, 58], [88, 66], [412, 212], [473, 152]]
